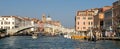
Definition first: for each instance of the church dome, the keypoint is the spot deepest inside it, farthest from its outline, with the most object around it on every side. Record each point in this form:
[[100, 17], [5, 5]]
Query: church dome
[[49, 18]]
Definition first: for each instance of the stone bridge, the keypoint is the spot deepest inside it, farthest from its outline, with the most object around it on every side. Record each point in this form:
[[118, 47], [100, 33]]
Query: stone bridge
[[16, 30]]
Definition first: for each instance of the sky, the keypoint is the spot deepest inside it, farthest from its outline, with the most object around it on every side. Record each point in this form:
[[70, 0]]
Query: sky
[[60, 10]]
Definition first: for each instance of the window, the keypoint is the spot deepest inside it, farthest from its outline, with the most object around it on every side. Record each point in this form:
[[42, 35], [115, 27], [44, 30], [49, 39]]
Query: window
[[78, 18], [83, 23], [12, 22], [89, 27], [84, 27], [5, 27], [12, 27], [77, 27], [81, 14], [8, 22], [8, 27], [89, 14], [6, 18], [78, 23], [5, 23], [89, 23], [90, 18], [84, 17], [1, 23]]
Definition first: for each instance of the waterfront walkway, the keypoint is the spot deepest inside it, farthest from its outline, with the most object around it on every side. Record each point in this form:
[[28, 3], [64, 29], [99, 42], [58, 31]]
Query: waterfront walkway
[[97, 38]]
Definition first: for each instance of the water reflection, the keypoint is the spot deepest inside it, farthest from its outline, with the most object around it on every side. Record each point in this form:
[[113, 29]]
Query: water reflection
[[20, 42], [11, 41]]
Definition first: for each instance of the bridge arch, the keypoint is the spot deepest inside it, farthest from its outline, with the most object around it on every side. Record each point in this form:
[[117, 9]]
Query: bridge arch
[[17, 30]]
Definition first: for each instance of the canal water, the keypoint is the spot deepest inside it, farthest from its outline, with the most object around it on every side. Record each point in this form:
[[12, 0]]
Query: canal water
[[26, 42]]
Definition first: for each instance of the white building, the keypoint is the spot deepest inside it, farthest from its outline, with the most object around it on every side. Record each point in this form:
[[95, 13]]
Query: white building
[[12, 22], [9, 22]]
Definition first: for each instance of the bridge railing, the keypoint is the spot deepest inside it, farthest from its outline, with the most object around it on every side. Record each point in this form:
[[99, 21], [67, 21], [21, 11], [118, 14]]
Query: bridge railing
[[20, 28]]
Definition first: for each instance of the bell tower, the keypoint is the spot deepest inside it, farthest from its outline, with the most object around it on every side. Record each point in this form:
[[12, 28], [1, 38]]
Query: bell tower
[[43, 18]]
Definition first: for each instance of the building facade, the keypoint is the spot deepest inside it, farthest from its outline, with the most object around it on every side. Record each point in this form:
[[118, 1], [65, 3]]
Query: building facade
[[116, 13], [116, 17], [101, 16], [48, 20], [53, 23], [84, 20], [108, 19], [12, 22]]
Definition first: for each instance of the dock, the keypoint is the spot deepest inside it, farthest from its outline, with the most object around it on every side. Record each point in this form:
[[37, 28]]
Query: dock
[[109, 38], [98, 38]]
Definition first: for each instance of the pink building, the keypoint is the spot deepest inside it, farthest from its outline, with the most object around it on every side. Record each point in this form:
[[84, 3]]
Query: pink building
[[41, 26], [85, 19]]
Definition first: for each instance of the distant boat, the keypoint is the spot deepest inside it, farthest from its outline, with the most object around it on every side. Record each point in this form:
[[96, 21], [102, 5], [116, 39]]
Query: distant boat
[[34, 36], [67, 36]]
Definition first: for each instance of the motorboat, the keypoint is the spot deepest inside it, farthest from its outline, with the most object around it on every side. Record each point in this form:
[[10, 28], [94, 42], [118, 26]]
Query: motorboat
[[67, 36], [34, 36]]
